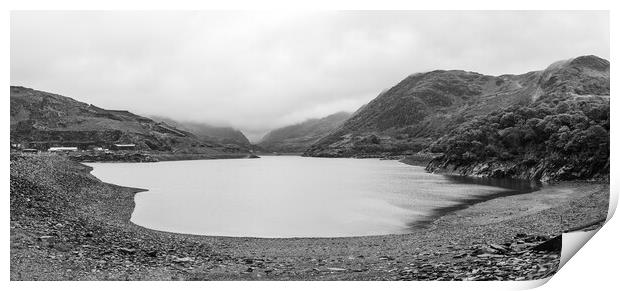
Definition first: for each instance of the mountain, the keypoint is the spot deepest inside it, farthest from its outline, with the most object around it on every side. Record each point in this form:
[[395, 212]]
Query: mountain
[[215, 134], [297, 138], [423, 107], [563, 134], [41, 119]]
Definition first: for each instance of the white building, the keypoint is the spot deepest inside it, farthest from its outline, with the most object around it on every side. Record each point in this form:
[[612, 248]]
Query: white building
[[126, 146], [63, 149]]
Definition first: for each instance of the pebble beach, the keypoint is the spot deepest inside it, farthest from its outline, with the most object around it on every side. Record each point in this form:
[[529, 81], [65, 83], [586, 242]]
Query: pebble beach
[[68, 225]]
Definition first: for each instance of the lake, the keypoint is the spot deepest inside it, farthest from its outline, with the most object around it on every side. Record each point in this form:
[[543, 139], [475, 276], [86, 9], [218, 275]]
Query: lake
[[291, 196]]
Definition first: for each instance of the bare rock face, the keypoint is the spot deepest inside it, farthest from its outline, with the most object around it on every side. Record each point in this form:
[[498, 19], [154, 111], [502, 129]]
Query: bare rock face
[[40, 119]]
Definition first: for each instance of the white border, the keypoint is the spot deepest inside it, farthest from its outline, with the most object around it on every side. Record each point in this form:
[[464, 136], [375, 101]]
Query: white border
[[310, 5], [593, 266]]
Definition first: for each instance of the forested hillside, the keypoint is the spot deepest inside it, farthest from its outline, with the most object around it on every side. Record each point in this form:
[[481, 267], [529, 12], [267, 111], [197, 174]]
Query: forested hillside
[[549, 125], [562, 135], [558, 137], [423, 107]]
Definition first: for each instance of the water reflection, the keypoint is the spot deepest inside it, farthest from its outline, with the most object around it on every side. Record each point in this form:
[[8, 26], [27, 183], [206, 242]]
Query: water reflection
[[506, 187], [288, 196], [508, 183]]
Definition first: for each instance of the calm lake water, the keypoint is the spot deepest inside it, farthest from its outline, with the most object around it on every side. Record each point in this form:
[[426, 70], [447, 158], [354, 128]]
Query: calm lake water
[[289, 196]]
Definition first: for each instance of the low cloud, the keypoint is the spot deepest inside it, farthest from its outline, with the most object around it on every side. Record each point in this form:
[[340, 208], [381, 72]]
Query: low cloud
[[260, 70]]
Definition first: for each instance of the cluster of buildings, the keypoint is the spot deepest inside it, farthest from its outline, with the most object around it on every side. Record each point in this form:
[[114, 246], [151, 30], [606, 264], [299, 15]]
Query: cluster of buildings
[[66, 148]]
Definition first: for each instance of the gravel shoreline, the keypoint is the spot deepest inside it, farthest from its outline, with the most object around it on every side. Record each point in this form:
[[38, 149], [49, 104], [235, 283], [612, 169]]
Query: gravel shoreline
[[68, 225]]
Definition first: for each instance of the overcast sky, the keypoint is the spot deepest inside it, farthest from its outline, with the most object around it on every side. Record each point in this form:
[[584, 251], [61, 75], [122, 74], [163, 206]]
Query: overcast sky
[[259, 70]]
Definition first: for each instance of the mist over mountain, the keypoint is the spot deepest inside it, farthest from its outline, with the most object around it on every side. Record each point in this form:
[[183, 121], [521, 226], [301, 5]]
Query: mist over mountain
[[41, 119], [260, 70], [425, 106], [437, 112], [307, 144], [461, 119], [298, 137], [563, 134], [217, 134]]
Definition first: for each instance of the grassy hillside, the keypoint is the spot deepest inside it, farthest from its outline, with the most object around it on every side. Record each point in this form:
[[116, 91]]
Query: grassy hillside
[[209, 133], [298, 137], [41, 119], [562, 135], [423, 107]]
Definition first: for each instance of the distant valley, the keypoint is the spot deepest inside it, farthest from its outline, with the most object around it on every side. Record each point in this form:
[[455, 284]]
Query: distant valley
[[41, 120], [551, 124], [299, 137], [209, 133]]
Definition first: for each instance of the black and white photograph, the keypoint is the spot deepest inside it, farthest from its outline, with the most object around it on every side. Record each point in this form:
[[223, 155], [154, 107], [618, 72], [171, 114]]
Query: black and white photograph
[[313, 145]]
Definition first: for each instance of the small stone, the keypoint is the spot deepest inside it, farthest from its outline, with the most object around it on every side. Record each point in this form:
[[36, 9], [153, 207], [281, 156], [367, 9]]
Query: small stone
[[127, 250], [183, 260], [486, 250], [489, 256], [552, 245], [388, 258], [497, 247], [460, 256]]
